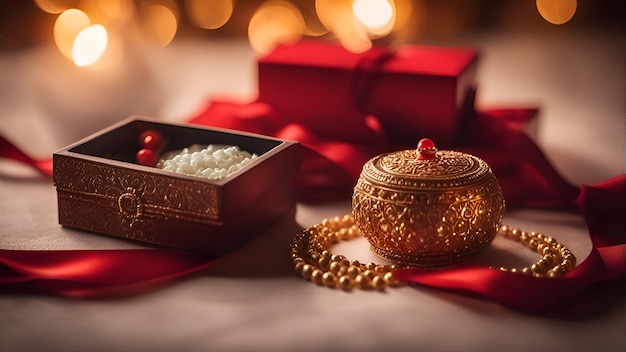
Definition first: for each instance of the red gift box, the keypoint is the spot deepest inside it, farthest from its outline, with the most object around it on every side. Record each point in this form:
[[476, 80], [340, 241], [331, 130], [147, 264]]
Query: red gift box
[[412, 91]]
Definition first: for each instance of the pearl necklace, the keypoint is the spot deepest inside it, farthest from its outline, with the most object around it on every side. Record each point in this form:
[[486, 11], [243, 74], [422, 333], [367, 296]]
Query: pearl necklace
[[313, 261]]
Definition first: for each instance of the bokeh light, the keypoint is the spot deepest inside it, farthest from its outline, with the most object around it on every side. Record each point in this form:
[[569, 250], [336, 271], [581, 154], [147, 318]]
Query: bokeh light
[[66, 27], [158, 23], [557, 11], [89, 45], [209, 14], [275, 22], [378, 16], [54, 6], [338, 16], [404, 13], [352, 23], [107, 11]]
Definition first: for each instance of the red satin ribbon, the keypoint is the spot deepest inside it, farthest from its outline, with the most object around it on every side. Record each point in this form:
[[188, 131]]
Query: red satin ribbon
[[603, 207], [94, 273], [330, 168], [10, 151]]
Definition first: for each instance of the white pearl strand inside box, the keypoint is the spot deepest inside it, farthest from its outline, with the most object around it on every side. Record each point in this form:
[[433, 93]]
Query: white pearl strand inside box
[[213, 161]]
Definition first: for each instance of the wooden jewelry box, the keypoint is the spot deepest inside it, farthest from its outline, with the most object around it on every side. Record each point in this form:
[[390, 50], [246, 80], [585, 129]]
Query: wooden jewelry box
[[102, 189]]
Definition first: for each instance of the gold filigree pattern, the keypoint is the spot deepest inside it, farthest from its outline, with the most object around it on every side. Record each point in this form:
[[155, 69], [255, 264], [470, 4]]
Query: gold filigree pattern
[[427, 212], [403, 170], [196, 199], [128, 203], [449, 164]]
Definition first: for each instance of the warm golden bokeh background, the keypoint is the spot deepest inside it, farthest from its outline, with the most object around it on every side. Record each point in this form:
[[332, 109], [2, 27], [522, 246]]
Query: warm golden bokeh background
[[160, 21]]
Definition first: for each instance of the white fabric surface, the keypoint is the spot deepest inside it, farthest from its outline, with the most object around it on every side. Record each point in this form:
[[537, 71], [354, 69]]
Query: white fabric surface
[[251, 300]]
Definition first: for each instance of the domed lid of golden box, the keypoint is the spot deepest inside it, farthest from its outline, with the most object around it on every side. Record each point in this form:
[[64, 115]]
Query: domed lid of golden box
[[427, 207], [426, 168]]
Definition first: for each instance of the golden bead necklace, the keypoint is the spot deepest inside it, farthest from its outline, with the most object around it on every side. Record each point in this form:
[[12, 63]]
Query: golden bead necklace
[[313, 261]]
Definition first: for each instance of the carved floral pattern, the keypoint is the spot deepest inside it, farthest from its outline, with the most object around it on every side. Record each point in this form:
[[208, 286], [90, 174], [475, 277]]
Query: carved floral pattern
[[121, 201], [424, 213]]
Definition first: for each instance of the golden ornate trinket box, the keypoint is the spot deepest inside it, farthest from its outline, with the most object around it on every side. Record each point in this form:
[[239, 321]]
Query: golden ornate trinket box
[[426, 207]]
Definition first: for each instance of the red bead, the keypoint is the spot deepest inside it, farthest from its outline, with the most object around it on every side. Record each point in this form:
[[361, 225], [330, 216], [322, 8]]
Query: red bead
[[426, 149], [147, 157], [425, 143], [151, 139]]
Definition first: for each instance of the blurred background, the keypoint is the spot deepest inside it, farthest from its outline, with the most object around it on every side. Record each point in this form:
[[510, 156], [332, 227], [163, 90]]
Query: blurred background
[[72, 67], [265, 23]]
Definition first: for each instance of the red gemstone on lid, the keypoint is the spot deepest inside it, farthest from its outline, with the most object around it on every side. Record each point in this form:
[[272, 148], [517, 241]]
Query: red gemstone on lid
[[426, 149], [425, 143]]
